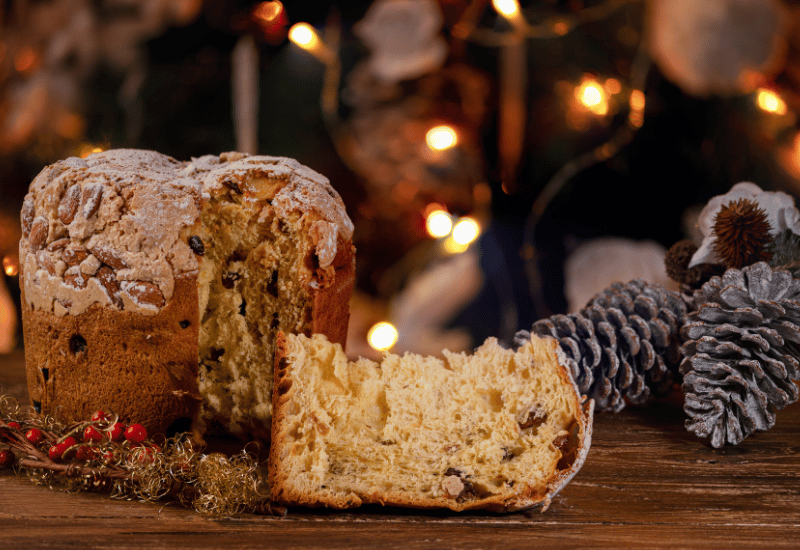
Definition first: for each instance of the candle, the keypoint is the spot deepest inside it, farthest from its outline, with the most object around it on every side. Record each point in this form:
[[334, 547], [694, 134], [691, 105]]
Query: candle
[[245, 94]]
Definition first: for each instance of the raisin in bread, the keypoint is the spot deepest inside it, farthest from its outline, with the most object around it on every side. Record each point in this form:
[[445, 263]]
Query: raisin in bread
[[155, 288], [498, 429]]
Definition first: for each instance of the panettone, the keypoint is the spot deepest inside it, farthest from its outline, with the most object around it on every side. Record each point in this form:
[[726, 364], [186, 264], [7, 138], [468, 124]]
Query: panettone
[[498, 429], [155, 288]]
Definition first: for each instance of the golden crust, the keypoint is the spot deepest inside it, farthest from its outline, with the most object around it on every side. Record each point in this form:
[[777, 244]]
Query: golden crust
[[331, 312], [143, 368]]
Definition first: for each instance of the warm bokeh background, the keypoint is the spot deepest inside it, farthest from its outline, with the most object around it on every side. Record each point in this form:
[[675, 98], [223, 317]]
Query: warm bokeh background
[[587, 133]]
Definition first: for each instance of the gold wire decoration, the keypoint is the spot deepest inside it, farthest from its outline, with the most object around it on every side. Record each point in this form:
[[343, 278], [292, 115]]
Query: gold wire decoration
[[174, 469]]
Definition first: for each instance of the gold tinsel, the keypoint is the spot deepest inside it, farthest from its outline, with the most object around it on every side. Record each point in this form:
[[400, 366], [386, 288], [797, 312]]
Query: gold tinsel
[[172, 469], [743, 233]]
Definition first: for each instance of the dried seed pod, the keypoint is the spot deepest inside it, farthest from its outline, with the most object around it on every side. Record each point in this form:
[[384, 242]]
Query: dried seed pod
[[743, 233]]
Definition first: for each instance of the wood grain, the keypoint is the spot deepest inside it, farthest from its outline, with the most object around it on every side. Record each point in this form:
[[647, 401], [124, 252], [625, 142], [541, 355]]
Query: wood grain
[[647, 483]]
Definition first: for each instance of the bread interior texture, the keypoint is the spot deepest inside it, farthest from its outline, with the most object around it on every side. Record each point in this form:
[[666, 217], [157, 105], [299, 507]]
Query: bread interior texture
[[249, 288], [421, 431]]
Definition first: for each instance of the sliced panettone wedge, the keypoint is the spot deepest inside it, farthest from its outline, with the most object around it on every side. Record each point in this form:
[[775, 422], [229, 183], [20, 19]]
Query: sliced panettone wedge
[[498, 430]]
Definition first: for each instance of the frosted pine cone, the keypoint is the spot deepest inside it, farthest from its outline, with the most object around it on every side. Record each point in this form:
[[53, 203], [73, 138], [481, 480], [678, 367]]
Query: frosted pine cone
[[623, 344], [741, 353]]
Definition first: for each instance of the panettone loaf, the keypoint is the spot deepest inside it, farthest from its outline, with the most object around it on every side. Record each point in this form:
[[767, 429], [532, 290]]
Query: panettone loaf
[[154, 288], [498, 429]]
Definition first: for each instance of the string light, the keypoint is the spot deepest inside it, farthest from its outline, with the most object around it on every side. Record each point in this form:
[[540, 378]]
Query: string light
[[271, 19], [612, 86], [441, 138], [268, 12], [439, 224], [510, 10], [304, 35], [592, 96], [87, 149], [506, 8], [466, 231], [10, 266], [550, 28], [382, 336], [636, 114], [769, 101]]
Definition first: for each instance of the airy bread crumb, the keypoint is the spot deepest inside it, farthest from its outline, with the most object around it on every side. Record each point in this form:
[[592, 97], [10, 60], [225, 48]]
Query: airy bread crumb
[[498, 429]]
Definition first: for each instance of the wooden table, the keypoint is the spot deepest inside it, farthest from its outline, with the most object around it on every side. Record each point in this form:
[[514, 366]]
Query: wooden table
[[646, 483]]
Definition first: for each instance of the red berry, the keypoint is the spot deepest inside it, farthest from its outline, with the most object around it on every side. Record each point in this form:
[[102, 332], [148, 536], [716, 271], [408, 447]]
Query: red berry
[[98, 416], [34, 435], [91, 434], [7, 459], [84, 453], [135, 433], [54, 453], [117, 432], [14, 425], [66, 446]]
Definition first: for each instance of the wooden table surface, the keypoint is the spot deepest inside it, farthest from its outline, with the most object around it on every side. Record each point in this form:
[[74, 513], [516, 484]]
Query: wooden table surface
[[646, 483]]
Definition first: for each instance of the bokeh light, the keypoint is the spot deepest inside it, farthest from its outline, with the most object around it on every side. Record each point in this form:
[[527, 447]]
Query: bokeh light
[[303, 35], [10, 266], [636, 102], [466, 231], [382, 336], [613, 86], [592, 96], [506, 8], [769, 101], [439, 224], [441, 138], [267, 12]]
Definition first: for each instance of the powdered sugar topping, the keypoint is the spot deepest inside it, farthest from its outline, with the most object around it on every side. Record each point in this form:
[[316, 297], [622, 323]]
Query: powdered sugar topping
[[131, 212]]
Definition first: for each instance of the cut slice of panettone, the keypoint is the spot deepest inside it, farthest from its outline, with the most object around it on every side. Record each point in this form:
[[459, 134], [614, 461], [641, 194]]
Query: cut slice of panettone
[[498, 429]]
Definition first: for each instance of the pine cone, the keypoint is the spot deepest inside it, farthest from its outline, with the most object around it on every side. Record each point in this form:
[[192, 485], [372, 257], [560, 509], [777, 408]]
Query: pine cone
[[623, 344], [785, 252], [741, 353]]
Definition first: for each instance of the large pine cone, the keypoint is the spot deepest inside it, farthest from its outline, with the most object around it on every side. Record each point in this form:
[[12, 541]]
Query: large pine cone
[[623, 344], [741, 353]]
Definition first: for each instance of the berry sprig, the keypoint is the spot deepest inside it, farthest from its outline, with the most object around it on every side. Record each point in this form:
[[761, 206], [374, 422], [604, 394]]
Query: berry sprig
[[43, 448], [103, 454]]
